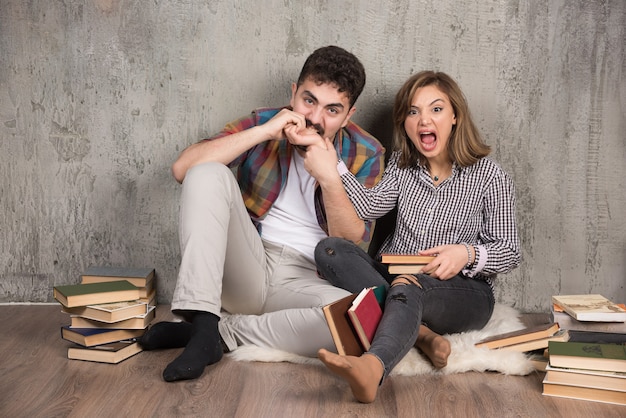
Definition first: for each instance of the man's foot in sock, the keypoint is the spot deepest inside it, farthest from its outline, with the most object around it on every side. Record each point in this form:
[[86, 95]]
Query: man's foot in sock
[[434, 346], [362, 373], [204, 348], [166, 335]]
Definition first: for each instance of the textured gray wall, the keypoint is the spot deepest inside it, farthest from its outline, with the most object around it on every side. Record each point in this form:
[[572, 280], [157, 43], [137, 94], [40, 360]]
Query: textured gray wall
[[97, 98]]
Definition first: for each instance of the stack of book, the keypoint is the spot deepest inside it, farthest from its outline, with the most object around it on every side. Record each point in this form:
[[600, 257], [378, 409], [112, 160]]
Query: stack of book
[[353, 320], [405, 263], [108, 310], [592, 364]]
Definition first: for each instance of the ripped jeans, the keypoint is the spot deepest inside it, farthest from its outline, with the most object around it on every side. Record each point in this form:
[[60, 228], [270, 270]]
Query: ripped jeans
[[445, 306]]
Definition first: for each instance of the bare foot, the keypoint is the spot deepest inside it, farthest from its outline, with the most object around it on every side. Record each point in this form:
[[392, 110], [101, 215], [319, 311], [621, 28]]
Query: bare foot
[[363, 373], [436, 347]]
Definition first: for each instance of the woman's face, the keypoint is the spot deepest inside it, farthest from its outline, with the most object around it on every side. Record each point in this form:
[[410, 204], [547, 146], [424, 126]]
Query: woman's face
[[429, 122]]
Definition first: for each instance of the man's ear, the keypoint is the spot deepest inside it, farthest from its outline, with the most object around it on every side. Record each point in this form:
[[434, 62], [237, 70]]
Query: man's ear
[[348, 116], [294, 89]]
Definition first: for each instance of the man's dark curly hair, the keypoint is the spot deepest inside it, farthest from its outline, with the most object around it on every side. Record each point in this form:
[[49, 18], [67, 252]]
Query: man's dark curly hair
[[335, 65]]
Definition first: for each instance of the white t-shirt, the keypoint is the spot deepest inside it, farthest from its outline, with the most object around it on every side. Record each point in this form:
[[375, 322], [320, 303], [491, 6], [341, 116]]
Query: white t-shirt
[[291, 221]]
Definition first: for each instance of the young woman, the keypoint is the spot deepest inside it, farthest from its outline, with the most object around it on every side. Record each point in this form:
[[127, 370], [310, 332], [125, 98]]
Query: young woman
[[452, 202]]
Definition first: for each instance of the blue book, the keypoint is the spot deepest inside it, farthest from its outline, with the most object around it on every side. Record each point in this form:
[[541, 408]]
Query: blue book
[[89, 337]]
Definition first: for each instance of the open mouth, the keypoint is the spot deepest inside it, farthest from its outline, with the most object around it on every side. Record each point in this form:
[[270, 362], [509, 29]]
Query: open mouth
[[428, 140]]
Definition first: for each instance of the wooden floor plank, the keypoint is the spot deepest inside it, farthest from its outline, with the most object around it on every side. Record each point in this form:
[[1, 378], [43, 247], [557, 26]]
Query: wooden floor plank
[[39, 381]]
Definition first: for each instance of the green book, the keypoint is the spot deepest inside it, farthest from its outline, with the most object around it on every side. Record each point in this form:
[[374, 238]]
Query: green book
[[94, 293], [140, 277], [589, 356]]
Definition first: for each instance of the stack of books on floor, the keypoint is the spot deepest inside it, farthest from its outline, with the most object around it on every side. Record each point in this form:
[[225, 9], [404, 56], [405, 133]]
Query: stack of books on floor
[[109, 310], [592, 364], [405, 263]]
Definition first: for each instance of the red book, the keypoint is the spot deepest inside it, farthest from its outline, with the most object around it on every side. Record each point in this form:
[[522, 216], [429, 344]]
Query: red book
[[365, 314]]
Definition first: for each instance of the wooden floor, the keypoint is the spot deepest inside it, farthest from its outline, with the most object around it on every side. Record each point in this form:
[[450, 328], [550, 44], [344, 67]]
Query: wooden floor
[[37, 380]]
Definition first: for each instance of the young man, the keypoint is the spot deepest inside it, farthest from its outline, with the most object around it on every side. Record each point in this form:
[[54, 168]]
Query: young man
[[255, 256]]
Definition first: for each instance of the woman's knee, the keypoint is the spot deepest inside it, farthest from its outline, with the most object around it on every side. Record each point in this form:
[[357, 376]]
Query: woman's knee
[[404, 279], [330, 249]]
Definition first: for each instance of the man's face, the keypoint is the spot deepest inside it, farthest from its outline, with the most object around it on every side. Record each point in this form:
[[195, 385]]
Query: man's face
[[323, 106]]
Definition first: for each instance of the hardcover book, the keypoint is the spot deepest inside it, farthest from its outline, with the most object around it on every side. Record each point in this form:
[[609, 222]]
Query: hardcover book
[[590, 308], [341, 328], [95, 293], [566, 321], [138, 322], [524, 347], [140, 277], [597, 337], [520, 336], [405, 268], [110, 312], [88, 337], [590, 356], [365, 314], [591, 378], [108, 353], [583, 393], [388, 258]]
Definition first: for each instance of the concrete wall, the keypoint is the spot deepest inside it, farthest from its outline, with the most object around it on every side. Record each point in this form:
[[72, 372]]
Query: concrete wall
[[97, 98]]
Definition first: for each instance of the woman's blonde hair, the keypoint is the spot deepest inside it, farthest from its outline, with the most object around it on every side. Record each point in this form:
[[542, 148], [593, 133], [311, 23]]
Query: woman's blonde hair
[[465, 145]]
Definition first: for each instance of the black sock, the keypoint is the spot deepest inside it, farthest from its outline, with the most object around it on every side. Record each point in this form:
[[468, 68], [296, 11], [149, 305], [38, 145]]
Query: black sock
[[166, 335], [203, 348]]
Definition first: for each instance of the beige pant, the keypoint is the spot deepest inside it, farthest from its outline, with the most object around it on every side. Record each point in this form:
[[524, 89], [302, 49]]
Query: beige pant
[[226, 266]]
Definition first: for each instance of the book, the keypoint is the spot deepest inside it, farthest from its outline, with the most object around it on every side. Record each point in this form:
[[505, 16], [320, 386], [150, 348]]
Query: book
[[519, 336], [147, 291], [566, 321], [590, 308], [138, 322], [84, 294], [89, 337], [341, 328], [110, 312], [151, 298], [597, 337], [388, 258], [365, 313], [591, 378], [583, 393], [405, 268], [590, 356], [108, 353], [526, 346], [140, 277]]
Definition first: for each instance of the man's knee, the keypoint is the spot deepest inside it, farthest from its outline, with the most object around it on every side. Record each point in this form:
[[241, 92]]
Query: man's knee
[[208, 169]]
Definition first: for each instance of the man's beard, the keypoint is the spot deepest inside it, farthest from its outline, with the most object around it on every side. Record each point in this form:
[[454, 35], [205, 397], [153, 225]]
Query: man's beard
[[315, 126]]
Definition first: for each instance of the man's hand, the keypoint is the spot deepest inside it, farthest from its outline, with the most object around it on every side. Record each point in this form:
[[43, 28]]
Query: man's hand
[[303, 138], [276, 128], [320, 161]]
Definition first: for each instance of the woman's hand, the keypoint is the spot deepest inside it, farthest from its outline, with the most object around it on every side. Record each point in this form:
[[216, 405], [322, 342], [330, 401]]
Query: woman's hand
[[450, 260]]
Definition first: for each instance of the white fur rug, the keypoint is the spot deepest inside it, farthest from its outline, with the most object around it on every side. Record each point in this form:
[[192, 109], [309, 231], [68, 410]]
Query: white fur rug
[[465, 356]]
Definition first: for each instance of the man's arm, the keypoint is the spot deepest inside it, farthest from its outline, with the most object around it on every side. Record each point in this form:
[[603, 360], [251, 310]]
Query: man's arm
[[342, 219], [227, 148]]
